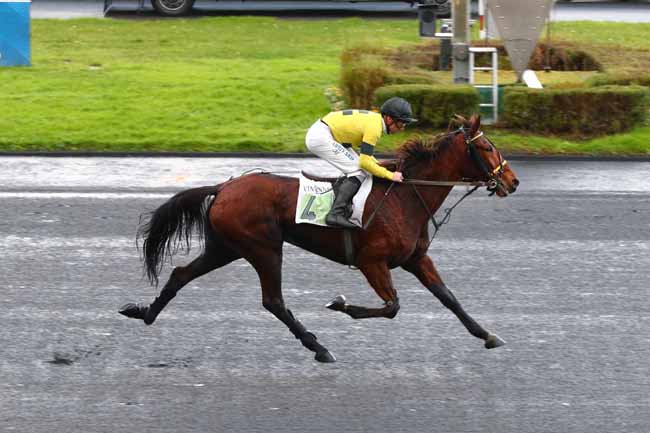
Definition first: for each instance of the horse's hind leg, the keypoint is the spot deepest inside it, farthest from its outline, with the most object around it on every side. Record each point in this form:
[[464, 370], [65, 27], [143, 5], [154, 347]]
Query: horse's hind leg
[[378, 275], [214, 256], [426, 272], [268, 264]]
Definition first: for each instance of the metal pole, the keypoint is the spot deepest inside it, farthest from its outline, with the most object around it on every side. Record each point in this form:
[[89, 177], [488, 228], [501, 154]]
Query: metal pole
[[460, 40], [482, 34], [495, 85], [547, 57]]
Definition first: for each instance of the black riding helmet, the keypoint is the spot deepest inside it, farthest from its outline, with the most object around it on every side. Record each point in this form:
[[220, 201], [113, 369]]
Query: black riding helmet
[[399, 109]]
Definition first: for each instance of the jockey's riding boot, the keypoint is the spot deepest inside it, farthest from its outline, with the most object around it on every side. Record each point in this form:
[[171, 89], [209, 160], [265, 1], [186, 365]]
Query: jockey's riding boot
[[337, 215]]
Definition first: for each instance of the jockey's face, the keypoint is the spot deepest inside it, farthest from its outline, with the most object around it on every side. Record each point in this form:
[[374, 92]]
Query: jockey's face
[[394, 126]]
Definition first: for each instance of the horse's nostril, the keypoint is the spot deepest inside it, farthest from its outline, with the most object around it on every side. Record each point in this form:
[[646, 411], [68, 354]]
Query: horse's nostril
[[513, 185]]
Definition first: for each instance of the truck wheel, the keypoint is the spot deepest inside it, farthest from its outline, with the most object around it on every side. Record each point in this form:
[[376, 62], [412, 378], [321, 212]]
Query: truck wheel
[[172, 8]]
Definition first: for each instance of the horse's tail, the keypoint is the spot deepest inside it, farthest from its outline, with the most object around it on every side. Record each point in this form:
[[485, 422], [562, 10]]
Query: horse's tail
[[171, 225]]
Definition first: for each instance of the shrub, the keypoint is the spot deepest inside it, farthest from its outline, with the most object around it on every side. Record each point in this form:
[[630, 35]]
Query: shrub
[[433, 105], [360, 79], [366, 68], [354, 54], [579, 111], [423, 56], [558, 57], [562, 59], [619, 80], [411, 76]]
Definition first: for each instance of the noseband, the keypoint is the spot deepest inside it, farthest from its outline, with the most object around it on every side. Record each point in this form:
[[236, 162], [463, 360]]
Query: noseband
[[493, 175]]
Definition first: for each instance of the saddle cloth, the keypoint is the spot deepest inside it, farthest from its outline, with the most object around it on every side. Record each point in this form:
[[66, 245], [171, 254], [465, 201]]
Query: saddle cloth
[[315, 201]]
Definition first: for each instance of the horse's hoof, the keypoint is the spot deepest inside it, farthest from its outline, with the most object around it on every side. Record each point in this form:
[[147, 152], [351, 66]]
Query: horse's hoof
[[337, 303], [325, 356], [134, 311], [493, 341]]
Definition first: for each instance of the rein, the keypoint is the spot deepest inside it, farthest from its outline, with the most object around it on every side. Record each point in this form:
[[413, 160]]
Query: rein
[[447, 217], [492, 184], [477, 183], [381, 202], [432, 218]]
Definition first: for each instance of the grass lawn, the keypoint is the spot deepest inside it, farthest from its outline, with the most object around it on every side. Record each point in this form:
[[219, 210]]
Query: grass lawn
[[221, 84]]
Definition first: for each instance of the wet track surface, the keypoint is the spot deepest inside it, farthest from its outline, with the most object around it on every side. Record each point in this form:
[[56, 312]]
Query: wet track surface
[[559, 270]]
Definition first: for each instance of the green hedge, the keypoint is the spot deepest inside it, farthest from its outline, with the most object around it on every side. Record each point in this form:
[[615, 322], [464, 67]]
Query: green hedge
[[365, 68], [359, 80], [433, 105], [580, 111], [619, 80], [409, 76], [558, 58]]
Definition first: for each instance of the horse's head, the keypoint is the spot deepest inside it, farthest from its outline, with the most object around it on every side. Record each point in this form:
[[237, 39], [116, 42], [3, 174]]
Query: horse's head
[[464, 154], [484, 161]]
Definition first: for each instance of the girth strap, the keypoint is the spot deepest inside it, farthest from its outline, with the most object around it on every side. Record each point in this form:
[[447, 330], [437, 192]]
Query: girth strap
[[349, 247]]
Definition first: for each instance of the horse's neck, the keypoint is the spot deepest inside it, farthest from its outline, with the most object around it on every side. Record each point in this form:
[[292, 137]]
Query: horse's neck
[[445, 167]]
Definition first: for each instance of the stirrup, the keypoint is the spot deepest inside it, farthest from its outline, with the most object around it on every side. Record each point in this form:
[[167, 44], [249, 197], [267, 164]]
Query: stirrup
[[340, 221]]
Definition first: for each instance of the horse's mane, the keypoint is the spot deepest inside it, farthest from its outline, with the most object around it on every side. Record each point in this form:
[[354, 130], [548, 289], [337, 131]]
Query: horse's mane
[[423, 148], [419, 148]]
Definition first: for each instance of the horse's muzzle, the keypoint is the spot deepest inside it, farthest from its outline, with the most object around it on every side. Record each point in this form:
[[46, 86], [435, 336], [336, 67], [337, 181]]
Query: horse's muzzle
[[508, 185], [513, 185]]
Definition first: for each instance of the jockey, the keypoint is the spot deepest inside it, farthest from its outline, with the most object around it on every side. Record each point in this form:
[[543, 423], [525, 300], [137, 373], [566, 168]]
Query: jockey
[[333, 137]]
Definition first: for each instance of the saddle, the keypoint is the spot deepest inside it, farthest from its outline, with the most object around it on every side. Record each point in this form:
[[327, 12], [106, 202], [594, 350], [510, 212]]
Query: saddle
[[316, 178], [335, 181]]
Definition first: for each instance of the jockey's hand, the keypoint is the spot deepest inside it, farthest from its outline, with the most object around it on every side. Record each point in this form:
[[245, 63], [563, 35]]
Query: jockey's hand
[[397, 176]]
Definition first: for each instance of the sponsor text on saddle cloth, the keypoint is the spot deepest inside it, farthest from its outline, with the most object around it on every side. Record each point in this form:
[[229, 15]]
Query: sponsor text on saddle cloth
[[315, 201]]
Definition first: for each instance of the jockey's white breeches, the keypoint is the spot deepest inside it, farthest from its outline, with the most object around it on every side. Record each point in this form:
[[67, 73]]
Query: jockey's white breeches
[[321, 142]]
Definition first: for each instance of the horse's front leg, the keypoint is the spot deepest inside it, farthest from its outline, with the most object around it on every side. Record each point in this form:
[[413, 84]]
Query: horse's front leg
[[378, 275], [426, 272]]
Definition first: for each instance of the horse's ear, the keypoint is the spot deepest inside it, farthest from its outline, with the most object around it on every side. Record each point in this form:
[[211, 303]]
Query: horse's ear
[[475, 122], [460, 119]]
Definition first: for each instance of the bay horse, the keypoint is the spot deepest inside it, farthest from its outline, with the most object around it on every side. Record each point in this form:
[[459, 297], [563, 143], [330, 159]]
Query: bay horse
[[251, 216]]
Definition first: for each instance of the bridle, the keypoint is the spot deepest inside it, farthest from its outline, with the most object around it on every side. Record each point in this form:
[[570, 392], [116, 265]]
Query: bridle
[[493, 175]]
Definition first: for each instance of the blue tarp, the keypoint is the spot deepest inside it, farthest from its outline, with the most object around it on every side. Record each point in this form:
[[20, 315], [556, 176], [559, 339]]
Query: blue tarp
[[14, 33]]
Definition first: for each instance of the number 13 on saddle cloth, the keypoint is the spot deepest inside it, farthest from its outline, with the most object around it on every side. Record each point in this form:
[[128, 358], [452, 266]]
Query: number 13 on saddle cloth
[[315, 201]]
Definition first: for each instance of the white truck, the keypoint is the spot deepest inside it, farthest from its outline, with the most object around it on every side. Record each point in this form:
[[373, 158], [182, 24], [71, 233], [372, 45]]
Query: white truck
[[184, 7]]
